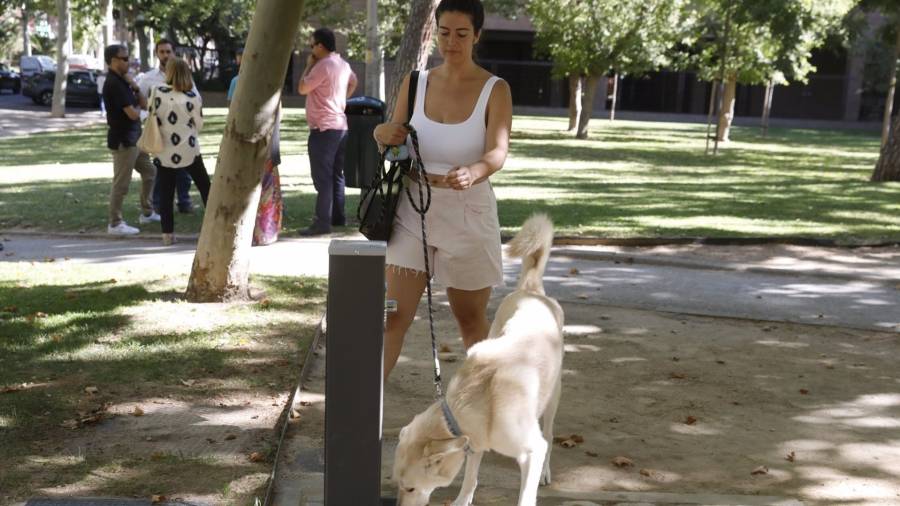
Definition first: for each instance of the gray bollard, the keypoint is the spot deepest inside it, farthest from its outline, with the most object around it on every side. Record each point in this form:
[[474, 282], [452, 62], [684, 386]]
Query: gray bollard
[[353, 370]]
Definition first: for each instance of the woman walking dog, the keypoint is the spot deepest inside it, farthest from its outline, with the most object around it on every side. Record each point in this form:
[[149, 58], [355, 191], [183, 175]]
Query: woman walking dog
[[462, 115]]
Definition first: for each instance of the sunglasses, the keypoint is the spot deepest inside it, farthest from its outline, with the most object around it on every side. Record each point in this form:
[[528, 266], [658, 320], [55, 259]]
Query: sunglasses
[[123, 58]]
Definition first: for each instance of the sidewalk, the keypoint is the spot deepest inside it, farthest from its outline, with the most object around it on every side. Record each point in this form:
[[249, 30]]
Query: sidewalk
[[20, 116]]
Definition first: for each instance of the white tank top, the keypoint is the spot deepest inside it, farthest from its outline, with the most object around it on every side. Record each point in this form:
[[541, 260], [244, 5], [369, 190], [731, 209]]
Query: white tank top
[[446, 146]]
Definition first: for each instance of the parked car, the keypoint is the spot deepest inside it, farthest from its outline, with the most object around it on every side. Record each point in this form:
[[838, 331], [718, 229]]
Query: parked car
[[32, 65], [84, 62], [80, 89], [9, 79]]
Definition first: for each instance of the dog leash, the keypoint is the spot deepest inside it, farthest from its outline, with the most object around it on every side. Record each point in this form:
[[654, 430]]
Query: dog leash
[[417, 167]]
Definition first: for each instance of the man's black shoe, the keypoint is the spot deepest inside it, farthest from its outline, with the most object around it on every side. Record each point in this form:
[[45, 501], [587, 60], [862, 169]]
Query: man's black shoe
[[313, 231], [186, 209]]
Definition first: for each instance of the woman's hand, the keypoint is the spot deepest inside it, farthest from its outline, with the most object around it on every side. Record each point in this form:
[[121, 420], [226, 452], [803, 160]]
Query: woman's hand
[[460, 178], [391, 134]]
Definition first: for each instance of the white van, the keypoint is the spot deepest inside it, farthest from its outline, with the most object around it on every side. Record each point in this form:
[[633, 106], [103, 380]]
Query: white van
[[31, 65]]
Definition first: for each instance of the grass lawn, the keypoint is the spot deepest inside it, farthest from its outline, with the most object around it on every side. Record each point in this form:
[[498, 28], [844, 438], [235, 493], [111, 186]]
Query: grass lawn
[[116, 387], [630, 179]]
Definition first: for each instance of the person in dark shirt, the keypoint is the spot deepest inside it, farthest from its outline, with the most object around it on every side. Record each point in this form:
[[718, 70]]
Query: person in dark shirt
[[123, 101]]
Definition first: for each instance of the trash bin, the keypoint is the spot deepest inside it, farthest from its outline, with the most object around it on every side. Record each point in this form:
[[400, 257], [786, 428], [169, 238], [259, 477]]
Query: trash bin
[[361, 155]]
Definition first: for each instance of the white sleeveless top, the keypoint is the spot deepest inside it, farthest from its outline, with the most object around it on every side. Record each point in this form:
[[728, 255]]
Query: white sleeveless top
[[446, 146]]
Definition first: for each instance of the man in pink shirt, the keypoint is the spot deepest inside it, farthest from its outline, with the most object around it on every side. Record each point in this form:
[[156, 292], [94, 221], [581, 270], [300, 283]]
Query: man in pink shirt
[[327, 82]]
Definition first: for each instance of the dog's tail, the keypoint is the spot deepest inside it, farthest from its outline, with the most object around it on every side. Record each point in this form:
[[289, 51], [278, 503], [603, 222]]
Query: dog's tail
[[532, 244]]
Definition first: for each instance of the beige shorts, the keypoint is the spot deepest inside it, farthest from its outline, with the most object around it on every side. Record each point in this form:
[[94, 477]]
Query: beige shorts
[[463, 234]]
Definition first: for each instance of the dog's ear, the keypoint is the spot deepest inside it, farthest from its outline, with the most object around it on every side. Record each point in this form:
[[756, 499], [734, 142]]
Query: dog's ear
[[437, 449]]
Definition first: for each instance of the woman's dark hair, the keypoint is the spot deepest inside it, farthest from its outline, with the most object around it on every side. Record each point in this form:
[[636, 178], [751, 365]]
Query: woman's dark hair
[[325, 37], [473, 8]]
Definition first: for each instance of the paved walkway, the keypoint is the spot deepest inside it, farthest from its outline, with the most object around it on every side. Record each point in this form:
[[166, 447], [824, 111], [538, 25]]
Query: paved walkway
[[20, 116]]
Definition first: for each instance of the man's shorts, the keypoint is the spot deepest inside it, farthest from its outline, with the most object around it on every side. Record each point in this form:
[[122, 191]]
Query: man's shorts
[[463, 234]]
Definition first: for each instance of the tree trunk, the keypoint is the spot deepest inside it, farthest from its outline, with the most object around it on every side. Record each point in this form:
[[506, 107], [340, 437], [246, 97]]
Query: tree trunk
[[726, 114], [106, 8], [575, 91], [889, 101], [713, 96], [414, 47], [888, 166], [26, 34], [374, 54], [587, 106], [63, 47], [615, 97], [222, 262], [767, 107], [140, 30]]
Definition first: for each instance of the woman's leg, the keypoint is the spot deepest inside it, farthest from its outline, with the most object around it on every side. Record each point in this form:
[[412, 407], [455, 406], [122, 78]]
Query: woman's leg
[[198, 173], [166, 178], [404, 286], [470, 310]]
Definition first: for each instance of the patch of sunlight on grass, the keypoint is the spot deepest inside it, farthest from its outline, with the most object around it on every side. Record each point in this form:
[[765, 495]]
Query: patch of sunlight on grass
[[738, 225]]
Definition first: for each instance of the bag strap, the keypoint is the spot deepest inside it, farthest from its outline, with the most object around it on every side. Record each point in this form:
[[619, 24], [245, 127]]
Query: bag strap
[[411, 95]]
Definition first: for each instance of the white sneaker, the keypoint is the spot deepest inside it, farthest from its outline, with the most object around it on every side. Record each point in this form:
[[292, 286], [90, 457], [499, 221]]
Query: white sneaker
[[121, 229], [149, 219]]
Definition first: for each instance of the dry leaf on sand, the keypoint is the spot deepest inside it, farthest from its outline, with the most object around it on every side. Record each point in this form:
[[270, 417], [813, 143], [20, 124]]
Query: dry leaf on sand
[[257, 457], [294, 414], [156, 499], [445, 349], [789, 457], [622, 462], [91, 390], [574, 271], [137, 411], [690, 420], [760, 470]]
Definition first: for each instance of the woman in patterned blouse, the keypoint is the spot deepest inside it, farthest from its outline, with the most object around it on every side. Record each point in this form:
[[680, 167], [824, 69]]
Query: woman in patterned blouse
[[178, 114]]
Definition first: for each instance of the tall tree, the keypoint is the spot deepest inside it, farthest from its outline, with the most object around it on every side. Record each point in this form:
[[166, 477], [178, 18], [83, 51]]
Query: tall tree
[[760, 42], [221, 264], [888, 165], [594, 37], [63, 49], [415, 46]]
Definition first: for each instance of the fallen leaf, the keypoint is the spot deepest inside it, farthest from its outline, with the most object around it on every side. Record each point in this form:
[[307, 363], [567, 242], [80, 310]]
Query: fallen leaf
[[690, 420], [210, 440], [591, 454], [803, 391], [188, 383], [230, 437], [622, 462], [677, 375], [568, 443], [305, 403], [720, 362], [445, 349], [70, 295], [91, 390], [257, 457], [574, 271], [156, 499], [294, 414], [577, 438], [447, 357], [264, 303], [646, 472], [137, 411], [69, 424], [10, 309], [12, 388], [760, 470], [49, 259], [829, 366], [675, 359], [583, 296], [789, 457]]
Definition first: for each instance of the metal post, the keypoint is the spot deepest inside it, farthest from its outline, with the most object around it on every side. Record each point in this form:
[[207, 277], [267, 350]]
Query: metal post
[[353, 373]]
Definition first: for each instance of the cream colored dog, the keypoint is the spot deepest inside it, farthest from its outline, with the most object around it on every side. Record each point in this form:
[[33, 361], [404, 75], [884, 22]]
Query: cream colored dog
[[494, 401]]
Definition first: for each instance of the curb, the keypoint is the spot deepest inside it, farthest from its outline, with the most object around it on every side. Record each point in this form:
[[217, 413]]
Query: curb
[[565, 240], [290, 405], [630, 258]]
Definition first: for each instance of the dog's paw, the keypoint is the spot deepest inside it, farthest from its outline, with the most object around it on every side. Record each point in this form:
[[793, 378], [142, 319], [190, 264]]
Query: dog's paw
[[545, 477], [462, 502]]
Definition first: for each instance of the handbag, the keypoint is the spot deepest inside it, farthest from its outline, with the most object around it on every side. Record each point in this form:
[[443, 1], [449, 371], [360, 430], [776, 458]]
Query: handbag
[[378, 205], [151, 140]]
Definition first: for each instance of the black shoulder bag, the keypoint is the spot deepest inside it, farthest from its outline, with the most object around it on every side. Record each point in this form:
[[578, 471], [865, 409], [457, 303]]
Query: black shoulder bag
[[378, 205]]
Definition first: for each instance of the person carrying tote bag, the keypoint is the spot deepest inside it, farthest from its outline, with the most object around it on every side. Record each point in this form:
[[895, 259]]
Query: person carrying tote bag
[[176, 111], [151, 140]]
